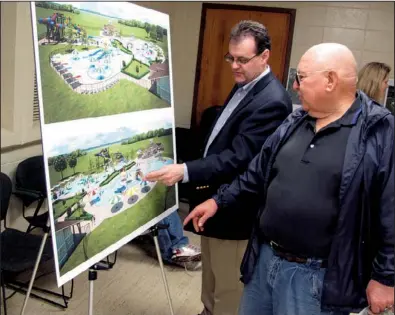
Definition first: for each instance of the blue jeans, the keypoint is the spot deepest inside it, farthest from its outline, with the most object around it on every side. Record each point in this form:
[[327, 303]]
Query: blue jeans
[[172, 237], [280, 287]]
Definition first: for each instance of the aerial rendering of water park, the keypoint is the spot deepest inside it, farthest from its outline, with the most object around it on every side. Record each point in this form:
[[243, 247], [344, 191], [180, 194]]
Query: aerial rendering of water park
[[104, 57], [98, 191]]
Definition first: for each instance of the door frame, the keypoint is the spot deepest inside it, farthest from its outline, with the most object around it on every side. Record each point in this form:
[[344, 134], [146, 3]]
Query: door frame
[[205, 7]]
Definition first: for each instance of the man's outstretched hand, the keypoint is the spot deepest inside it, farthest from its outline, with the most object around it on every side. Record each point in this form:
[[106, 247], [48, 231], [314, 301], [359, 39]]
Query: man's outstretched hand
[[168, 175], [201, 213]]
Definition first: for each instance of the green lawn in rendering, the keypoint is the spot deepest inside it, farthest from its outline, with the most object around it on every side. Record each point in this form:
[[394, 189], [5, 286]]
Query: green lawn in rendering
[[126, 31], [116, 43], [131, 69], [59, 208], [127, 150], [117, 227]]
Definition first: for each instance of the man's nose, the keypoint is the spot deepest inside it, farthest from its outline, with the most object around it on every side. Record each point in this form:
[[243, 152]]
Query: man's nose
[[235, 65]]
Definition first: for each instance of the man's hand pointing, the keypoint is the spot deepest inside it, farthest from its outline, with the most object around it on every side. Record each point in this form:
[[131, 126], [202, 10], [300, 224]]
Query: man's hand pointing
[[201, 214]]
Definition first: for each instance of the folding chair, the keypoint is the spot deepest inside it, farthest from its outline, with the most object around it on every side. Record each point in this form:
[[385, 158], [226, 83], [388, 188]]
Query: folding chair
[[19, 251], [30, 187]]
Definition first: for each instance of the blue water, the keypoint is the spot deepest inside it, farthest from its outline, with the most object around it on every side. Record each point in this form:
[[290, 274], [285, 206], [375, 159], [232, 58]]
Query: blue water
[[96, 52], [101, 56], [120, 185]]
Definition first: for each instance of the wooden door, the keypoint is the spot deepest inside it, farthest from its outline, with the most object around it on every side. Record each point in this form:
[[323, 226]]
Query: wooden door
[[214, 78]]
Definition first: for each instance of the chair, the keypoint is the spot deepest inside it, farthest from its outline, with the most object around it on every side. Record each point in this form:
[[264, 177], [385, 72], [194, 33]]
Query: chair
[[5, 195], [207, 119], [19, 252], [30, 187], [184, 148], [190, 144]]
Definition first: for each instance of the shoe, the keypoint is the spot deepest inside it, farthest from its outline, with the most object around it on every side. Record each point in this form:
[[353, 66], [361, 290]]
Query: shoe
[[187, 253], [188, 265]]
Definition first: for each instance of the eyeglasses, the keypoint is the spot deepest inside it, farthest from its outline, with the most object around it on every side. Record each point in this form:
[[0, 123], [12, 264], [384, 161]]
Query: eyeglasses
[[299, 77], [240, 61]]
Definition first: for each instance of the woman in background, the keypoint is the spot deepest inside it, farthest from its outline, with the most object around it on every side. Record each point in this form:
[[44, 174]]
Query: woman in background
[[373, 80]]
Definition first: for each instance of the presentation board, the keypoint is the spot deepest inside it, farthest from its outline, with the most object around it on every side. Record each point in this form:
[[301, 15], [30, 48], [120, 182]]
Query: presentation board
[[107, 118]]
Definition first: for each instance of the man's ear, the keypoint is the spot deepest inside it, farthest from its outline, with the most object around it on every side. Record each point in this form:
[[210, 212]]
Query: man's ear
[[265, 55], [333, 80]]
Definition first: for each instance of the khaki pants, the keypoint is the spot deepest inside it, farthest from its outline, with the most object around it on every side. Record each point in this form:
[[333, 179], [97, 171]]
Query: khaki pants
[[221, 285]]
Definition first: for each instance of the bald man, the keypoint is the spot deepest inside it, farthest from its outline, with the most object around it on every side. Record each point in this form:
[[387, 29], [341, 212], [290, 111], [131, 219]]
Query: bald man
[[323, 242]]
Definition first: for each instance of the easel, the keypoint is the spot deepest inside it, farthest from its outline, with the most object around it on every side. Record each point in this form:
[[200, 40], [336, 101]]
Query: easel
[[92, 276]]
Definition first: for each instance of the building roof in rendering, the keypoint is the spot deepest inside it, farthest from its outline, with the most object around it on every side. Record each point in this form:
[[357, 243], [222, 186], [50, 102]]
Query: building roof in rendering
[[159, 70]]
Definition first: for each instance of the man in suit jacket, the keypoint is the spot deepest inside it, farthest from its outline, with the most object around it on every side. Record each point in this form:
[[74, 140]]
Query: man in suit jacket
[[256, 106]]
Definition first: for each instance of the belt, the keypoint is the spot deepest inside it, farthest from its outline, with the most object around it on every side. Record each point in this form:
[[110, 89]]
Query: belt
[[284, 254]]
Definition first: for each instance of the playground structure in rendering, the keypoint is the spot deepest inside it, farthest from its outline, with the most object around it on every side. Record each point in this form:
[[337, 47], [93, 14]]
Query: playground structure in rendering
[[56, 24]]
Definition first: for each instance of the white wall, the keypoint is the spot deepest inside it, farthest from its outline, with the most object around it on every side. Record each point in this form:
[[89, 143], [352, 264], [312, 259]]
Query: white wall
[[17, 76], [366, 27]]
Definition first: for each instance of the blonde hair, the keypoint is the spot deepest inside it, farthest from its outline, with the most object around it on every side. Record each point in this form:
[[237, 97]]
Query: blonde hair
[[370, 78]]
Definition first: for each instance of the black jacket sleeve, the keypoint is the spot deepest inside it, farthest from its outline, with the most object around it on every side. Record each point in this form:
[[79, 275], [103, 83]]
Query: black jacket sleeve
[[254, 130], [383, 264], [251, 183]]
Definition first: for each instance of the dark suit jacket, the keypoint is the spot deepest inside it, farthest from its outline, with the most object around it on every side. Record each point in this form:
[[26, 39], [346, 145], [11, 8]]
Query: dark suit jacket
[[257, 116]]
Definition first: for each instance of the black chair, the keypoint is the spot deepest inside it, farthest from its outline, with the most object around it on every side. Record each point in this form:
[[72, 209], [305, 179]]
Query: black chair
[[189, 144], [30, 187], [208, 117], [19, 252], [186, 147], [5, 195]]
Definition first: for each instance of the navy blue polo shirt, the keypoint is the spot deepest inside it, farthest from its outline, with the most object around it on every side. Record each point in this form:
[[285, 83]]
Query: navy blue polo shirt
[[302, 202]]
